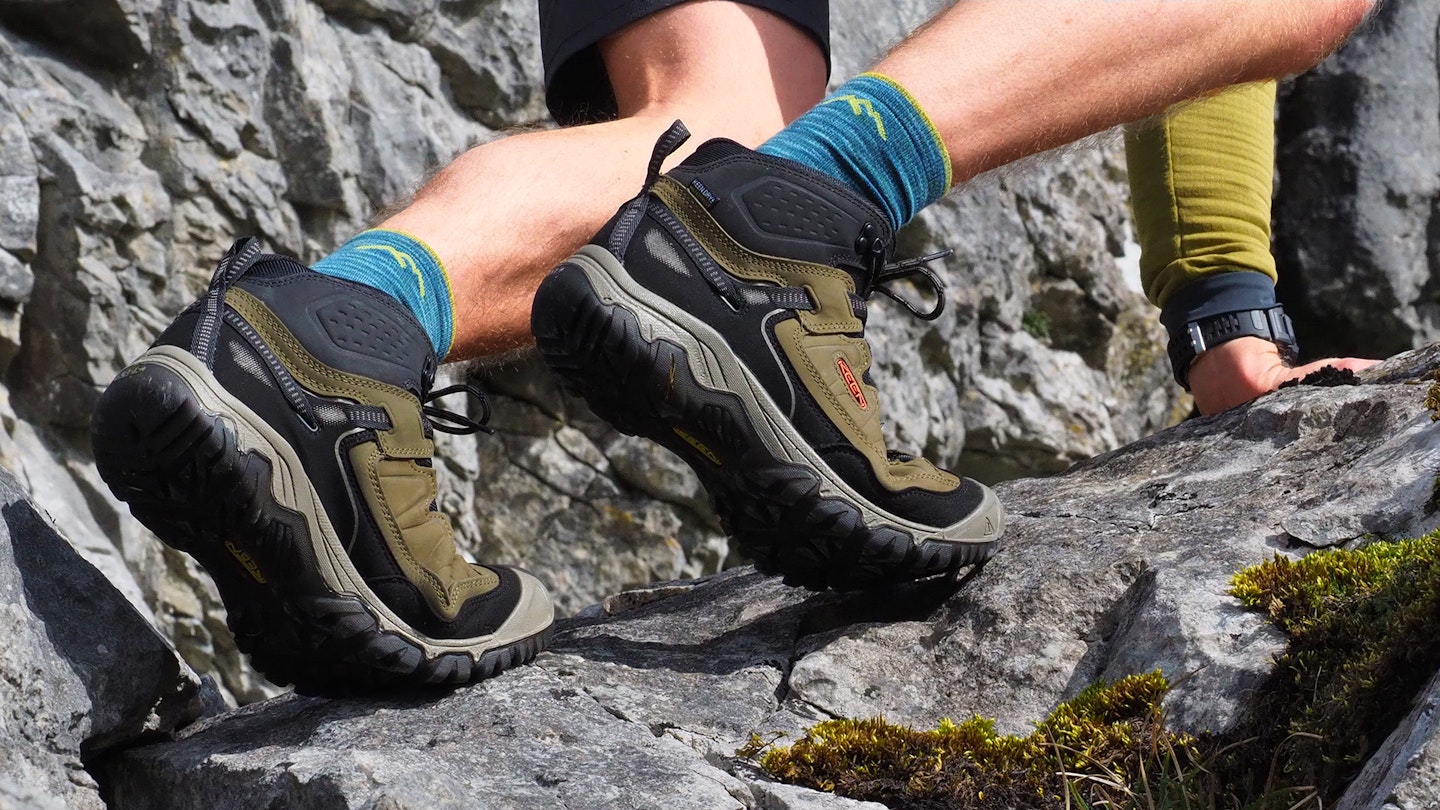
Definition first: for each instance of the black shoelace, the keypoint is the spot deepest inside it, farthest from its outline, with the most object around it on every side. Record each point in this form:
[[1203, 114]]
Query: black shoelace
[[913, 269], [451, 422], [874, 251]]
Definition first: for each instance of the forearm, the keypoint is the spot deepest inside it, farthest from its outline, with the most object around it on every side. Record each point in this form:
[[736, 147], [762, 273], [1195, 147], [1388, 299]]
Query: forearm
[[1201, 178], [1003, 79]]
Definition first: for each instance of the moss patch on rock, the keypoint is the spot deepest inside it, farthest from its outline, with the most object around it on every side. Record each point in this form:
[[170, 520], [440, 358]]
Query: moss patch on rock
[[1362, 645], [1432, 398], [1091, 749]]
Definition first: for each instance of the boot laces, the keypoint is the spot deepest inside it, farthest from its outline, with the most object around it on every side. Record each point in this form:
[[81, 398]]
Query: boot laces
[[447, 421], [875, 252], [915, 270]]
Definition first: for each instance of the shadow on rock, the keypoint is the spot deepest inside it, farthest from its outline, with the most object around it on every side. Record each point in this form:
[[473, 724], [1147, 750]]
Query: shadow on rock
[[679, 636]]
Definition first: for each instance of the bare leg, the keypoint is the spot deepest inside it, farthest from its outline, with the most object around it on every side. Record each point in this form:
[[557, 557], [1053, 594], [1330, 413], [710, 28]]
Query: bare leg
[[1035, 74], [504, 213]]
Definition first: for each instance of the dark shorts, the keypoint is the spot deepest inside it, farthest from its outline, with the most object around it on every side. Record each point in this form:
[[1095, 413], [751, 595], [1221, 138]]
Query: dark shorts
[[577, 88]]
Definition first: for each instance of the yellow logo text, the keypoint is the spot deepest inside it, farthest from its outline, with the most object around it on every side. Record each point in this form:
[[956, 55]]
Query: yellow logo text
[[698, 445], [245, 560]]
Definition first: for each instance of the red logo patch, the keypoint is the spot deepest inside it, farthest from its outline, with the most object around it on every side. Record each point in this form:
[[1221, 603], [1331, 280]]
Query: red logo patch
[[852, 383]]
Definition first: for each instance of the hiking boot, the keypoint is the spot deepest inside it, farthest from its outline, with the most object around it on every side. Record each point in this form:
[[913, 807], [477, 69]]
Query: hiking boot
[[279, 432], [722, 313]]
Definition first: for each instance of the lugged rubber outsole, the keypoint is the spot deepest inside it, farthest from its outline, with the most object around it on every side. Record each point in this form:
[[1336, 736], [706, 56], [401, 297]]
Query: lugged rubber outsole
[[181, 470], [772, 507]]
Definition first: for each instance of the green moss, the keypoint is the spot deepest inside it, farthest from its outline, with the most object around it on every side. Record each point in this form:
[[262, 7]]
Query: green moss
[[1090, 749], [1362, 644], [1037, 323], [1432, 398]]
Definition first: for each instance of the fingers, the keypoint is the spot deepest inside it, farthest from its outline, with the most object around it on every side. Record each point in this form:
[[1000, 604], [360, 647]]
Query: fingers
[[1240, 371], [1343, 363], [1262, 378]]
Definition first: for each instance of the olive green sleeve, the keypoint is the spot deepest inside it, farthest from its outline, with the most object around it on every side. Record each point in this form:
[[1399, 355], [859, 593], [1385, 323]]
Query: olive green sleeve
[[1201, 178]]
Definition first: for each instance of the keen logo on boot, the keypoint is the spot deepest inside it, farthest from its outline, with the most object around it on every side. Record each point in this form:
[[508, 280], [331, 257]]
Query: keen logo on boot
[[849, 377], [245, 561]]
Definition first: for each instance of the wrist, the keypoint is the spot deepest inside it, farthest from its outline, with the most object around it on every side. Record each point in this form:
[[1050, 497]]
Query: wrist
[[1216, 310]]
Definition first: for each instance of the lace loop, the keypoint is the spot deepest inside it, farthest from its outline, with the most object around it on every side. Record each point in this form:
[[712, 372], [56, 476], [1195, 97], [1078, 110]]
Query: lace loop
[[451, 422], [913, 269]]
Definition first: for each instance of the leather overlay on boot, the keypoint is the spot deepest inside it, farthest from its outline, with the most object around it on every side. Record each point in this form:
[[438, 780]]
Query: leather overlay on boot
[[821, 344], [399, 494], [853, 405], [397, 489]]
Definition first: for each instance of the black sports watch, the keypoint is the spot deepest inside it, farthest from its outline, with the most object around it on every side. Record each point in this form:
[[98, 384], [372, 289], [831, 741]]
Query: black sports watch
[[1218, 308], [1206, 333]]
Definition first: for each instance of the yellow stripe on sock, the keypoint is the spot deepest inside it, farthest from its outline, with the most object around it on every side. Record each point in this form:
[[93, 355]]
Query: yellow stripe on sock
[[444, 274], [924, 116]]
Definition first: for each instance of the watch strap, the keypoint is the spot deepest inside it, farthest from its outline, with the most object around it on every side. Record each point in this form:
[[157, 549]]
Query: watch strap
[[1218, 308]]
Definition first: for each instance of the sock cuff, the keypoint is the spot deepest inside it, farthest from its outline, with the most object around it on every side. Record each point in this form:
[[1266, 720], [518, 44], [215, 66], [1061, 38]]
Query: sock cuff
[[939, 143], [411, 239], [871, 135]]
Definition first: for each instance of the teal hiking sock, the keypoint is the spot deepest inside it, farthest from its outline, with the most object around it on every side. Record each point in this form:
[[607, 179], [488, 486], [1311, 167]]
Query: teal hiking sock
[[871, 135], [407, 270]]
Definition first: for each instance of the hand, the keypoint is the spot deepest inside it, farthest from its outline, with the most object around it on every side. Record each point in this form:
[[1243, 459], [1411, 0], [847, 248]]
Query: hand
[[1242, 369]]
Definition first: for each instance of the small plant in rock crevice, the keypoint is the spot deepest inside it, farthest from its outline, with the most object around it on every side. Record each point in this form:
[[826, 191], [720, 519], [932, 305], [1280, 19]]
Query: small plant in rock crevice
[[1037, 324]]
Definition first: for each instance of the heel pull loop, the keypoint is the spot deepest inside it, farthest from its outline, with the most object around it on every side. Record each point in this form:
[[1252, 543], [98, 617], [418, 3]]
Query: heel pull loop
[[630, 215], [673, 139], [232, 266], [235, 262]]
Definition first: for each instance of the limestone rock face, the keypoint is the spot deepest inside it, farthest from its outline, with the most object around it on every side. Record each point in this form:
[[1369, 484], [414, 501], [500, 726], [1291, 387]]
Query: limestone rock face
[[82, 673], [1357, 216], [136, 142], [1118, 566]]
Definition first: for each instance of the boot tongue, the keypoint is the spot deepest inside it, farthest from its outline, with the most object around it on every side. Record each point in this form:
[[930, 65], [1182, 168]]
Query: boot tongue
[[274, 266]]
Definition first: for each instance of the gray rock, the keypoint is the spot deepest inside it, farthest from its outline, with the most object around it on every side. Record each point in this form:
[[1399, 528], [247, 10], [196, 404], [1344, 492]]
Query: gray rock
[[16, 281], [111, 33], [1118, 566], [19, 188], [1359, 192], [529, 739], [775, 796], [82, 674], [30, 796], [490, 56]]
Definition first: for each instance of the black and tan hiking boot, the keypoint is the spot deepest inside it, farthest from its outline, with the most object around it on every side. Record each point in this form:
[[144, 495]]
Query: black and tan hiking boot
[[722, 314], [279, 431]]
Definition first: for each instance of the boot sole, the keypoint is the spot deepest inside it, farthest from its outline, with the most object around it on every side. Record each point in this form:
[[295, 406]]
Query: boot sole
[[651, 369], [211, 479]]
